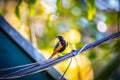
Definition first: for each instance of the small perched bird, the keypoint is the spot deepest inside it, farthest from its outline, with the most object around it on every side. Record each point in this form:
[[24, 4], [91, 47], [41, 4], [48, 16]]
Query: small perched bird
[[60, 46]]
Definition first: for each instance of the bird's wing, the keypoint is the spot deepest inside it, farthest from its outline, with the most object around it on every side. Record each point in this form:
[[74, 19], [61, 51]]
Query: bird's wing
[[57, 48], [58, 43]]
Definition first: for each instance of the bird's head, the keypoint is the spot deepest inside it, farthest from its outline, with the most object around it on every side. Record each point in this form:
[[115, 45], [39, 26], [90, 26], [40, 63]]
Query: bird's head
[[60, 37]]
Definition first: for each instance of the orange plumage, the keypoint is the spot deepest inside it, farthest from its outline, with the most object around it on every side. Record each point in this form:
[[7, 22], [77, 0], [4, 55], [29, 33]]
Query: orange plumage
[[60, 46]]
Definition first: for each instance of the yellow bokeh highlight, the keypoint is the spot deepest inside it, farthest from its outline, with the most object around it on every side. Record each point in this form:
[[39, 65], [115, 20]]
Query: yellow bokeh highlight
[[73, 36], [80, 68]]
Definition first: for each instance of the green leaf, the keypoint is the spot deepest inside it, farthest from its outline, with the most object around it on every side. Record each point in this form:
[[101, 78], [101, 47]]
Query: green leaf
[[31, 4], [92, 55], [91, 9], [17, 11], [59, 6], [19, 2]]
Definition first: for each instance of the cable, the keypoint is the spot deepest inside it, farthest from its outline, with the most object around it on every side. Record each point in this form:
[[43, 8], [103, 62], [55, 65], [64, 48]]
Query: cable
[[48, 64], [71, 61], [66, 69], [26, 65]]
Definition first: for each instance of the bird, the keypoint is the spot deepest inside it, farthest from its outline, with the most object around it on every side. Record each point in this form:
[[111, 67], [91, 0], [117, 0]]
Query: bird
[[60, 46]]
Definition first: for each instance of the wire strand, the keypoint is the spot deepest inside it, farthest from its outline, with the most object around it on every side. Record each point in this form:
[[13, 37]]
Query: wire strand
[[26, 65], [66, 69]]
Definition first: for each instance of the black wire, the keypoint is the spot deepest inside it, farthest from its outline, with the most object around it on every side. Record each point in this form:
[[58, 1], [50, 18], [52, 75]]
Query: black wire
[[62, 58], [66, 69]]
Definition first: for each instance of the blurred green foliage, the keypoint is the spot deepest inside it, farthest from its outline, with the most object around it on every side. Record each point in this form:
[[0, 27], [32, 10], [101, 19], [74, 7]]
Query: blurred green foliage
[[17, 9]]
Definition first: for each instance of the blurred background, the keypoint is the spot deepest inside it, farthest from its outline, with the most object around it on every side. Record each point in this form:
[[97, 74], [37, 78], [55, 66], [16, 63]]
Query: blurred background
[[80, 22]]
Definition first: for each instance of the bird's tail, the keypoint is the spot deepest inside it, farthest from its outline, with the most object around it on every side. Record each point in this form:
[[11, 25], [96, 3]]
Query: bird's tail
[[52, 55]]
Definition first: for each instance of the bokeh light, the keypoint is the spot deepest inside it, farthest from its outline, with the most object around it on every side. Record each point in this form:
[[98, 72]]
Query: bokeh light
[[101, 26], [73, 36]]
